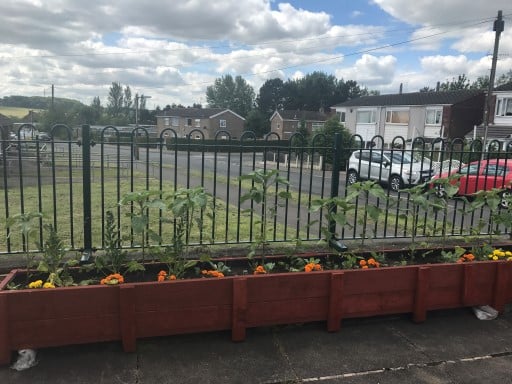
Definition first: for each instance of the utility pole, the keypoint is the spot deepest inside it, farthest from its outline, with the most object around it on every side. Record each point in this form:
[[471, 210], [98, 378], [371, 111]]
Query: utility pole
[[499, 26]]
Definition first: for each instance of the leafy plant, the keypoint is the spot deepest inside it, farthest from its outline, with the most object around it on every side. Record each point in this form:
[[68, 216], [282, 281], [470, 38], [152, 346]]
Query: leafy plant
[[265, 192], [27, 224], [114, 260], [187, 207], [337, 209], [140, 203], [372, 211], [54, 260], [429, 199]]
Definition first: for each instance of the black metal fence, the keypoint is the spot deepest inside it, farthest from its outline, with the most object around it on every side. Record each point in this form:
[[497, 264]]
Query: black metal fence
[[74, 180]]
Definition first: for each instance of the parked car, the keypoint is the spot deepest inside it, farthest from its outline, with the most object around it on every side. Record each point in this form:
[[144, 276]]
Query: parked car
[[43, 136], [481, 175], [395, 168]]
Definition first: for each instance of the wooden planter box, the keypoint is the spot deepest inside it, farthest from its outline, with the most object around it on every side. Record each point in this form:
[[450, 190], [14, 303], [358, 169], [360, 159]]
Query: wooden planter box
[[39, 318]]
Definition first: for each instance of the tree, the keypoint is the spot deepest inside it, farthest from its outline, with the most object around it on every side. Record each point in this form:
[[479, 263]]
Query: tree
[[115, 100], [234, 94], [331, 127], [504, 78], [257, 122], [482, 82], [96, 107], [127, 100], [270, 97], [461, 82], [317, 91]]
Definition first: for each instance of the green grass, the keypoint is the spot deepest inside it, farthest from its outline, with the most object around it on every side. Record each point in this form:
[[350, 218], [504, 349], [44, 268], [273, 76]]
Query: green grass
[[16, 112], [67, 201]]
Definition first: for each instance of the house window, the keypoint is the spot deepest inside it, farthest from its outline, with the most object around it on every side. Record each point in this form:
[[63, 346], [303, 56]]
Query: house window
[[342, 117], [433, 116], [317, 127], [366, 117], [175, 121], [189, 122], [167, 121], [198, 123], [504, 106], [397, 117], [222, 123]]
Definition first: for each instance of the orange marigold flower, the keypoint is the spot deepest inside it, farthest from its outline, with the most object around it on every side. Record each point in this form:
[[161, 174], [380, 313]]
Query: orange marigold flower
[[162, 273], [259, 269], [469, 256], [364, 267], [103, 281], [308, 267], [362, 263], [460, 260], [318, 267], [204, 272], [371, 261], [161, 278], [172, 277]]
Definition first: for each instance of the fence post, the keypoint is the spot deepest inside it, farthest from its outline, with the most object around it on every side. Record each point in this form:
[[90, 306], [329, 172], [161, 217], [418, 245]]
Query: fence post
[[335, 184], [86, 178]]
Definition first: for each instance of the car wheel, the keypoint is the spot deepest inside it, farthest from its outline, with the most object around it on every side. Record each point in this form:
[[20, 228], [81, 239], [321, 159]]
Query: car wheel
[[395, 183], [352, 177], [506, 199]]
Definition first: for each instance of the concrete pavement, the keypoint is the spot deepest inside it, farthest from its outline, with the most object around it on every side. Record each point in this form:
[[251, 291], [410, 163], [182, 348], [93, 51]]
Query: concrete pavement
[[450, 347]]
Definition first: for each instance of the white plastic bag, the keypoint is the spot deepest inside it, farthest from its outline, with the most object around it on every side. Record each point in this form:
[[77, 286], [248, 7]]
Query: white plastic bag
[[26, 359], [485, 312]]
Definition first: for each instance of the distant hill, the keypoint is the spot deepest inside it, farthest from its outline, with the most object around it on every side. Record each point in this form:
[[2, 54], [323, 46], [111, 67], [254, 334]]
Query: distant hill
[[38, 102]]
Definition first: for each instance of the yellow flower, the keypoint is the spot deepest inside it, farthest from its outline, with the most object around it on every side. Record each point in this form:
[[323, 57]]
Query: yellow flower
[[495, 257], [48, 285], [36, 284]]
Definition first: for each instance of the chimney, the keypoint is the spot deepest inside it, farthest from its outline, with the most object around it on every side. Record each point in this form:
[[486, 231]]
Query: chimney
[[438, 86], [401, 87]]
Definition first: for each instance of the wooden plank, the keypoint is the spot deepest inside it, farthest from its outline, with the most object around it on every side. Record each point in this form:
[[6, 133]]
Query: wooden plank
[[183, 294], [239, 309], [7, 279], [284, 286], [127, 317], [420, 299], [5, 345], [65, 331], [334, 314], [63, 302], [188, 320], [501, 286]]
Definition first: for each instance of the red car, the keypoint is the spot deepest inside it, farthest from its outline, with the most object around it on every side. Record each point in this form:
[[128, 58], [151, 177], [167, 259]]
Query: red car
[[482, 175]]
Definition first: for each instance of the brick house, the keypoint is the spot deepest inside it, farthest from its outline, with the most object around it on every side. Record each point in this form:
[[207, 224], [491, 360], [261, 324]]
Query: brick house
[[209, 121], [286, 122]]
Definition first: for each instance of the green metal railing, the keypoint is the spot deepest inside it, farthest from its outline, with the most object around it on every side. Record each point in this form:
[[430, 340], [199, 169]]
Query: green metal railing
[[74, 181]]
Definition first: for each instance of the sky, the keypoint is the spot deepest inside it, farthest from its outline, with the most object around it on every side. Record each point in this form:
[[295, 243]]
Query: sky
[[171, 51]]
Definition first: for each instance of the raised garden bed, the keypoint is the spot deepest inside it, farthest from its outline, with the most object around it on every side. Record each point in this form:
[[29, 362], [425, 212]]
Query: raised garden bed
[[40, 318]]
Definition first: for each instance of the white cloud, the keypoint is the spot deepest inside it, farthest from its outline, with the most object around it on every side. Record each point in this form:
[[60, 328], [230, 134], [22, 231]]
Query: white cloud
[[174, 51], [371, 70]]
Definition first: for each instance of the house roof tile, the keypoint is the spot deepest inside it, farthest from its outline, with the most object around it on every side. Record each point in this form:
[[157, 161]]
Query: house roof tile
[[416, 98], [504, 87], [290, 114], [197, 113]]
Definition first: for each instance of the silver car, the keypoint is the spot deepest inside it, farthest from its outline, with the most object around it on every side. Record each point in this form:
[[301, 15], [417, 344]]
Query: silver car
[[395, 168]]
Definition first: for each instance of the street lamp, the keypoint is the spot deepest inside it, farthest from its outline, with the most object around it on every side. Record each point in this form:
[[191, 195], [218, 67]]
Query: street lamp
[[137, 97]]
